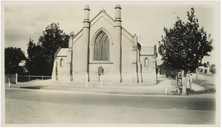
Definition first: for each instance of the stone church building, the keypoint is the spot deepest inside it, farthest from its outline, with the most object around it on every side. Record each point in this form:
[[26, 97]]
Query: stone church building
[[104, 49]]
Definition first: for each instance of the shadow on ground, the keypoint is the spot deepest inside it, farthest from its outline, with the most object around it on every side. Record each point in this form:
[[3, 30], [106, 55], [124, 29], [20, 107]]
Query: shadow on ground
[[33, 87], [158, 81]]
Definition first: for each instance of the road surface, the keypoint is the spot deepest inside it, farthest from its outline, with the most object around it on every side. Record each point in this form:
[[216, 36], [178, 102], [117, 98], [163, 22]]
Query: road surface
[[48, 107]]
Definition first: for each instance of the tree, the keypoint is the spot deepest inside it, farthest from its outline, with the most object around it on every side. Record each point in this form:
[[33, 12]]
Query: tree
[[13, 56], [184, 45], [168, 71], [41, 55], [206, 65], [36, 58], [213, 69]]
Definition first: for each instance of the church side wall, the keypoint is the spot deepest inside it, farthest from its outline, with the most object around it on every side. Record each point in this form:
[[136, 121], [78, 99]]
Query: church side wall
[[61, 67], [79, 59], [149, 70], [128, 69], [63, 72]]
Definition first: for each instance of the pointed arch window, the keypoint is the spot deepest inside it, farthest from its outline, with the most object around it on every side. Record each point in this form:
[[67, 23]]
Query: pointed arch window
[[61, 63], [101, 47], [146, 62]]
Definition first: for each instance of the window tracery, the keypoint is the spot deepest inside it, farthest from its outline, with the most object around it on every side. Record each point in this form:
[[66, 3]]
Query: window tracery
[[101, 47]]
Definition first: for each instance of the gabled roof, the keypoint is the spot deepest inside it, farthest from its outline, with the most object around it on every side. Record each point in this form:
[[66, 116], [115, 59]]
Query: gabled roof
[[63, 52], [127, 31], [78, 33], [147, 50], [102, 11]]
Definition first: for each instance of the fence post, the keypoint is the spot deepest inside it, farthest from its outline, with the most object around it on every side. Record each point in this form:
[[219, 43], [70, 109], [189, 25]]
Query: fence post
[[165, 90], [137, 80], [197, 72], [42, 77], [9, 84], [177, 79], [101, 81], [16, 78], [86, 80]]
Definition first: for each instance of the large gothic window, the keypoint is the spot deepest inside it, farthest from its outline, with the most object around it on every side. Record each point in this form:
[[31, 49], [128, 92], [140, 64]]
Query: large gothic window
[[101, 47]]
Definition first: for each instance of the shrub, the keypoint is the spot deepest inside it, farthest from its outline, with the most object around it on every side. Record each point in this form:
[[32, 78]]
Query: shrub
[[213, 69]]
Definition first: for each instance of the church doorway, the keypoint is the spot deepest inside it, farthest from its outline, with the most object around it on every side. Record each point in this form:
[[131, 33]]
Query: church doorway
[[100, 73]]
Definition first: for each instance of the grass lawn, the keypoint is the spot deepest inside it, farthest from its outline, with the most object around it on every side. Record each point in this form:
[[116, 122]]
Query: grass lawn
[[209, 86], [207, 83]]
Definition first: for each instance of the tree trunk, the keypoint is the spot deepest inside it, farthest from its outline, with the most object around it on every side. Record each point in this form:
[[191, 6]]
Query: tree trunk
[[197, 72], [184, 83]]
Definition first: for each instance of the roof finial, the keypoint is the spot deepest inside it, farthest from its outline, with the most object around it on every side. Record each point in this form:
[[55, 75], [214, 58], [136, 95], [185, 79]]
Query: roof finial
[[103, 10]]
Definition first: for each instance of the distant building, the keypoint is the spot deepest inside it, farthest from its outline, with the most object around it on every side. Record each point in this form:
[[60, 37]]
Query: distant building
[[103, 47]]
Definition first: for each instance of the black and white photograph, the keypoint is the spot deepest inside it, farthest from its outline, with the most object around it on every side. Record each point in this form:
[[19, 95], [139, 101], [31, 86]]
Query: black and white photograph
[[103, 63]]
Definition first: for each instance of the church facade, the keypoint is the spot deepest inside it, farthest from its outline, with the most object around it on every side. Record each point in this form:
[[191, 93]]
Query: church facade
[[104, 49]]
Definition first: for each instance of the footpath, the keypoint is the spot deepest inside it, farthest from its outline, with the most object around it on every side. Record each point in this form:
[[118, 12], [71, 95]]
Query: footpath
[[164, 86]]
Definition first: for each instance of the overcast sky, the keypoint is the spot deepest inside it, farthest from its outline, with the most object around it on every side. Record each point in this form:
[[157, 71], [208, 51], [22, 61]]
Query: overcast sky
[[23, 21]]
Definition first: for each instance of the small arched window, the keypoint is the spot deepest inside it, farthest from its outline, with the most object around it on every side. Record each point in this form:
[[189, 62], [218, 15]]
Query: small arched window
[[146, 62], [61, 63]]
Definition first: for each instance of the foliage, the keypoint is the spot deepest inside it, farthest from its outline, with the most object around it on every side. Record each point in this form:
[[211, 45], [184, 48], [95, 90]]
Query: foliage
[[41, 55], [213, 69], [206, 65], [184, 45], [13, 56], [168, 71], [36, 58]]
